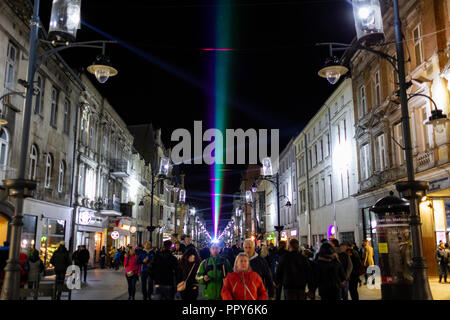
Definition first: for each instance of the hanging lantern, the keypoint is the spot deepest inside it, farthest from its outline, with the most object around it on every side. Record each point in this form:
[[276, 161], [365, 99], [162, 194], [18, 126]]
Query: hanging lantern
[[182, 195], [438, 120], [248, 196], [65, 20], [368, 20], [164, 167], [267, 167]]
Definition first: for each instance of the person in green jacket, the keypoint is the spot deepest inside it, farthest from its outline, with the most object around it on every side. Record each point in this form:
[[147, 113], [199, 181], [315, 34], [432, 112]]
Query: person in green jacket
[[212, 272]]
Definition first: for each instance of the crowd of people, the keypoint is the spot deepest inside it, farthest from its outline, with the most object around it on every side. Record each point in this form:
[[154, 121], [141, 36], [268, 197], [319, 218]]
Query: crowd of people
[[333, 270]]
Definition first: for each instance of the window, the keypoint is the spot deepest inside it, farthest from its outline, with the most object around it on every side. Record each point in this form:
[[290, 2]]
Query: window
[[317, 201], [54, 108], [328, 144], [11, 65], [66, 123], [377, 89], [62, 172], [381, 156], [4, 144], [105, 145], [321, 150], [53, 232], [310, 159], [161, 212], [362, 101], [330, 183], [92, 134], [81, 175], [342, 101], [324, 197], [399, 153], [48, 171], [311, 196], [315, 155], [39, 102], [33, 162], [365, 162], [418, 46]]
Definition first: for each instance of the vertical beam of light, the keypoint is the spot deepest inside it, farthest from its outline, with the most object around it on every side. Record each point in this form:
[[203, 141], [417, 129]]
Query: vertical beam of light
[[221, 81]]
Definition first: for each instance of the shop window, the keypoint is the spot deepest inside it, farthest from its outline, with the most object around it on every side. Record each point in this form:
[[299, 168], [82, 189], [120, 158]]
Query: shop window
[[4, 144], [347, 236], [28, 233], [53, 232], [3, 229]]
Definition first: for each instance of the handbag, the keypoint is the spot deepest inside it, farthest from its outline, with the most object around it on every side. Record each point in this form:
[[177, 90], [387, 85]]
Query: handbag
[[182, 285], [130, 273]]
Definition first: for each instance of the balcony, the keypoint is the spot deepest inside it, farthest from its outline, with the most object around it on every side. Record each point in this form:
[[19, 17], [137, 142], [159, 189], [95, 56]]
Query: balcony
[[126, 209], [111, 207], [6, 173], [424, 161], [119, 168]]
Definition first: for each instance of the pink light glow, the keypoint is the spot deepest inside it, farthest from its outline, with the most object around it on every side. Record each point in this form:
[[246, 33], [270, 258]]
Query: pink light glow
[[213, 49]]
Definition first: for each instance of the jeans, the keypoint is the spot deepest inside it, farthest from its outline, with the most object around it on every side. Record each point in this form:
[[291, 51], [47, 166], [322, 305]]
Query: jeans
[[59, 283], [83, 268], [344, 291], [294, 294], [147, 285], [131, 286], [278, 293], [164, 292], [442, 272], [353, 288]]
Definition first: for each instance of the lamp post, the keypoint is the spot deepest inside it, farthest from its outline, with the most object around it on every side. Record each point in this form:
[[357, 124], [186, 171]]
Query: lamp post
[[369, 27], [267, 175], [67, 13]]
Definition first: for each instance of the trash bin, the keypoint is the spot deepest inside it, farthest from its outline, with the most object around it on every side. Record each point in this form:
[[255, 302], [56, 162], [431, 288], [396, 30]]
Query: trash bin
[[395, 247]]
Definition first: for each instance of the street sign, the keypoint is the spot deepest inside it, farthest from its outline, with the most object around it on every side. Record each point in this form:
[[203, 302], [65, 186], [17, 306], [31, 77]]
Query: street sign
[[115, 235]]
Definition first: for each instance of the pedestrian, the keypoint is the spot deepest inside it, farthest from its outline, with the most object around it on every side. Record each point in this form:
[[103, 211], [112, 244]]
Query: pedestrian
[[442, 260], [163, 268], [103, 258], [275, 261], [131, 272], [204, 253], [329, 274], [144, 259], [212, 272], [83, 259], [177, 252], [260, 266], [367, 257], [265, 254], [357, 271], [188, 243], [447, 253], [294, 272], [243, 283], [227, 253], [116, 259], [188, 266], [347, 264], [61, 261], [75, 254], [35, 268]]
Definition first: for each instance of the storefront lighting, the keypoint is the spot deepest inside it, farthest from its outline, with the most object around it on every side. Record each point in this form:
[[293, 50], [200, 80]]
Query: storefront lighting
[[133, 229]]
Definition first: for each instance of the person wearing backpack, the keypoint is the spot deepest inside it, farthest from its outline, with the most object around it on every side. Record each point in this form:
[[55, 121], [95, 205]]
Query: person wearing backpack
[[212, 272]]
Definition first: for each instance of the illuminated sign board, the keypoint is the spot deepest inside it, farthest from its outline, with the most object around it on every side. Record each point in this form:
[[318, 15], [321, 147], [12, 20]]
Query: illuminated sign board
[[115, 235]]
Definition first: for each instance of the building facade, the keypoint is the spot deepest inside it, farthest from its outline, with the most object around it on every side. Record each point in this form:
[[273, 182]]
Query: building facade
[[379, 132]]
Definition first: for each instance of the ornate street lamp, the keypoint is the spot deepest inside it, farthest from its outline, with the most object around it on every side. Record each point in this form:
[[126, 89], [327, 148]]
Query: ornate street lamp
[[65, 20], [332, 70], [368, 20], [438, 120], [102, 68]]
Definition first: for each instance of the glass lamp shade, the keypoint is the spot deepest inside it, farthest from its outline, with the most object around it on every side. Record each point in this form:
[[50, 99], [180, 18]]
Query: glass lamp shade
[[102, 69], [182, 195], [164, 165], [65, 20], [267, 167], [248, 196], [333, 70], [438, 120], [368, 20]]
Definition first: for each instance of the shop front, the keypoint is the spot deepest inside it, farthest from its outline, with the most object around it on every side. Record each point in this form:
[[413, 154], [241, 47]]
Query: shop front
[[6, 214], [90, 231], [121, 232], [46, 225]]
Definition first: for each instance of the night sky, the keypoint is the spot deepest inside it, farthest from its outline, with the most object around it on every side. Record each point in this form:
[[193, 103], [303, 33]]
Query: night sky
[[273, 82]]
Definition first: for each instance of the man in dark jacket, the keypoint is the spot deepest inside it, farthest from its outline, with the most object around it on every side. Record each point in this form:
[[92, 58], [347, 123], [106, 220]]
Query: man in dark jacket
[[145, 256], [344, 259], [163, 270], [260, 266], [294, 272], [83, 259], [275, 261], [358, 268], [188, 244], [61, 261]]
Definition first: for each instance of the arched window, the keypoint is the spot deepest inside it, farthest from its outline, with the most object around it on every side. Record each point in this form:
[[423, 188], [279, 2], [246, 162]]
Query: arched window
[[4, 144], [33, 162], [61, 175], [48, 170]]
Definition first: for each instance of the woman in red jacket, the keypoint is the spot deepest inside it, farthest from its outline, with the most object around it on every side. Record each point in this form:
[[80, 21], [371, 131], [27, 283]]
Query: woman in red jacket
[[243, 284], [131, 272]]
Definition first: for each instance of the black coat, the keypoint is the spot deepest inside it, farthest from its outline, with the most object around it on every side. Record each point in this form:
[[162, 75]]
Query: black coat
[[260, 266], [60, 259], [294, 272], [163, 268], [83, 256], [328, 274]]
